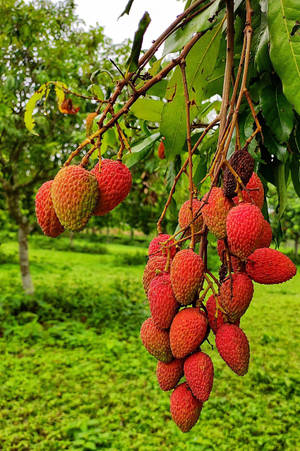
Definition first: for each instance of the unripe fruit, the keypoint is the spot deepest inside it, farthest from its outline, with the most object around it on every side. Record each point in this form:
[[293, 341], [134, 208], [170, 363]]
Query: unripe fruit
[[255, 192], [169, 374], [215, 211], [155, 247], [235, 296], [163, 304], [156, 341], [186, 273], [185, 408], [265, 238], [269, 266], [243, 164], [153, 267], [161, 150], [199, 373], [114, 183], [185, 216], [233, 347], [187, 332], [45, 213]]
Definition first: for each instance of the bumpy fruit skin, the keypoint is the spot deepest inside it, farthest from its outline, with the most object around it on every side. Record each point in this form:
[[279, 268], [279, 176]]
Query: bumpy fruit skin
[[74, 193], [256, 192], [169, 374], [236, 263], [199, 373], [235, 302], [156, 341], [163, 304], [265, 238], [185, 217], [45, 213], [155, 247], [233, 347], [114, 183], [269, 266], [185, 408], [154, 265], [243, 164], [215, 322], [244, 225], [186, 272], [187, 332], [215, 211]]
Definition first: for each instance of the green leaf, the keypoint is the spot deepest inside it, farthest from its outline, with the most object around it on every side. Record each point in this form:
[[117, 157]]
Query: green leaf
[[133, 59], [273, 146], [281, 189], [127, 8], [140, 150], [202, 22], [201, 169], [283, 15], [96, 91], [295, 173], [148, 109], [28, 119], [159, 89], [60, 94]]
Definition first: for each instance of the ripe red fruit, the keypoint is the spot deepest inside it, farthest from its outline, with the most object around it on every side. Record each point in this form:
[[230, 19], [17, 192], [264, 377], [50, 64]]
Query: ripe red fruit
[[187, 332], [154, 265], [161, 150], [199, 373], [265, 238], [156, 341], [169, 374], [215, 322], [114, 183], [155, 247], [244, 225], [185, 409], [255, 194], [235, 261], [163, 304], [186, 273], [235, 295], [45, 213], [215, 211], [269, 266], [185, 217], [233, 347], [243, 164]]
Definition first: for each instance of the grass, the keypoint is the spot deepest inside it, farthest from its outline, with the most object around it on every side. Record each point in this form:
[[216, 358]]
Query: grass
[[74, 375]]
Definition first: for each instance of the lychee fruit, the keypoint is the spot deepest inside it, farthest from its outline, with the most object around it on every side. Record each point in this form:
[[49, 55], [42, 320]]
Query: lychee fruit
[[199, 373], [74, 193], [233, 347], [185, 216], [216, 320], [244, 225], [235, 295], [215, 211], [156, 341], [255, 193], [186, 273], [243, 164], [156, 248], [269, 266], [187, 332], [161, 150], [185, 408], [236, 263], [114, 183], [153, 267], [45, 213], [265, 237], [163, 304], [169, 374]]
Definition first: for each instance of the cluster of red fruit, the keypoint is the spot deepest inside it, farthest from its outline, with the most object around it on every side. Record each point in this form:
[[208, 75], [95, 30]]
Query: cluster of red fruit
[[75, 194], [173, 280]]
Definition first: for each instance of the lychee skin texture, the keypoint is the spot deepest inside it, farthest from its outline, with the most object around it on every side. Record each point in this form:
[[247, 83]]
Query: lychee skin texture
[[243, 164], [199, 373], [45, 213], [154, 265], [265, 238], [185, 217], [242, 292], [186, 273], [235, 261], [74, 193], [268, 266], [163, 304], [169, 374], [214, 321], [185, 408], [244, 225], [255, 194], [155, 247], [156, 341], [114, 183], [187, 332], [215, 212], [233, 347]]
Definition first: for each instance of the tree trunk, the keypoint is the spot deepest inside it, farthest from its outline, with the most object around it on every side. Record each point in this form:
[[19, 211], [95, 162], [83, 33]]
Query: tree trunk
[[24, 260]]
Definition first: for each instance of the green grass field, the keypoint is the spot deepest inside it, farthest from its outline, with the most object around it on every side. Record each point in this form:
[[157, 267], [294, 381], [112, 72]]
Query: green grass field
[[74, 375]]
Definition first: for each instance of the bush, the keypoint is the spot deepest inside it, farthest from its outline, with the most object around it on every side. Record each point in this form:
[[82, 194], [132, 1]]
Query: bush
[[131, 259], [64, 243]]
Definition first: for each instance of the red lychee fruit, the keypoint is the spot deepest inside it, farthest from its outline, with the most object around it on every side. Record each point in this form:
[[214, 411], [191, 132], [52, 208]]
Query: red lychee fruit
[[186, 273], [199, 373], [215, 211], [244, 225], [161, 150], [236, 263], [256, 192], [45, 213], [156, 341], [185, 217], [187, 332], [233, 347], [114, 183], [216, 321], [235, 295], [269, 266], [169, 374], [154, 265], [163, 304], [265, 238], [243, 164], [185, 408], [155, 247]]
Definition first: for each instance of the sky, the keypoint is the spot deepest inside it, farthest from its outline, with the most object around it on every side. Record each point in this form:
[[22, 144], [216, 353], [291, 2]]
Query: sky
[[106, 13]]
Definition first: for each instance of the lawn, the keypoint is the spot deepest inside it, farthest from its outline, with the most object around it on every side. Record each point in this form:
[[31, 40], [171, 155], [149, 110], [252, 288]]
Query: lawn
[[74, 375]]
